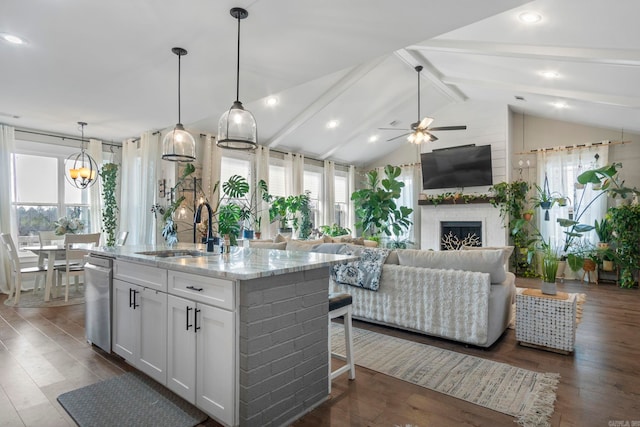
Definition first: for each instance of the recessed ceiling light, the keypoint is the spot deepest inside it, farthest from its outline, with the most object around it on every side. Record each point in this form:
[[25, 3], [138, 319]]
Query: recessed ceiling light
[[560, 104], [272, 101], [373, 138], [11, 38], [550, 74], [332, 124], [530, 17]]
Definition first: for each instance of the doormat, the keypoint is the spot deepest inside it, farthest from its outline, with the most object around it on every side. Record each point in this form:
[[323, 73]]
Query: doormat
[[129, 400]]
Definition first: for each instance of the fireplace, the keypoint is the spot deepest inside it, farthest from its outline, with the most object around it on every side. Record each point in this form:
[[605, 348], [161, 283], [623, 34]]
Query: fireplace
[[455, 234]]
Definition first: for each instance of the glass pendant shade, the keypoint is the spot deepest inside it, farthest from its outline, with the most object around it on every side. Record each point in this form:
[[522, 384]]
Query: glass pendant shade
[[179, 145], [80, 170], [237, 129]]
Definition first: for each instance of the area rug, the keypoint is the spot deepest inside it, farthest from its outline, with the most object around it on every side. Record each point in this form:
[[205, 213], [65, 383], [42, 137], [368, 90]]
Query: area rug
[[129, 400], [30, 300], [529, 396]]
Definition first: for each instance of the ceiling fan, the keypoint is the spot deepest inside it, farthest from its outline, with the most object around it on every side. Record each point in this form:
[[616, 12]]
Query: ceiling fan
[[420, 130]]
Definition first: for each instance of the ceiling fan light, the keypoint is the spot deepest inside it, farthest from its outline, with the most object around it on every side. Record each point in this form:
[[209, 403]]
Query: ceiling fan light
[[178, 145]]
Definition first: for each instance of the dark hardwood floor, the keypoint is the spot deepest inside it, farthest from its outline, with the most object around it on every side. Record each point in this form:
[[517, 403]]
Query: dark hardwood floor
[[43, 354]]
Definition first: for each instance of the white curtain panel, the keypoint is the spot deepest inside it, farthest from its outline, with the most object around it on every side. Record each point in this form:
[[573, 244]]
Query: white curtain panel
[[351, 220], [417, 211], [408, 198], [140, 171], [294, 174], [95, 191], [329, 199], [6, 152], [561, 169], [262, 173], [213, 174]]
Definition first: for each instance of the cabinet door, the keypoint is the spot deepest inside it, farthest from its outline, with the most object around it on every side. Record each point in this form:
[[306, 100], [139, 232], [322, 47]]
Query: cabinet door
[[152, 350], [215, 362], [181, 348], [125, 323]]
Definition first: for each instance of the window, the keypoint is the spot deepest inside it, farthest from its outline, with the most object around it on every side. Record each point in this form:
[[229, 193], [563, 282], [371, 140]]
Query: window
[[42, 194], [341, 194], [313, 184], [277, 180]]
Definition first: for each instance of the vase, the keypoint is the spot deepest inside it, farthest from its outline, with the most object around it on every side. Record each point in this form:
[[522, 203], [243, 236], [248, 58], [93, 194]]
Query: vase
[[247, 234], [607, 265], [562, 266], [258, 235], [549, 288]]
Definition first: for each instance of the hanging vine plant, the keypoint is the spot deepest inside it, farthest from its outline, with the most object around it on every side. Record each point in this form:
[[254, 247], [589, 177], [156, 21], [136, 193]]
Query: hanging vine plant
[[109, 174]]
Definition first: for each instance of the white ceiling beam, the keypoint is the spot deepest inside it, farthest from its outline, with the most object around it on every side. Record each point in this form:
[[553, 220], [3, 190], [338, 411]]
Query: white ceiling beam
[[432, 74], [626, 57], [351, 78], [593, 97]]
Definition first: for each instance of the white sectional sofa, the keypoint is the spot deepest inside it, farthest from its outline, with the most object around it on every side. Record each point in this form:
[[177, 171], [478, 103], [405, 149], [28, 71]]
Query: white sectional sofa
[[461, 295]]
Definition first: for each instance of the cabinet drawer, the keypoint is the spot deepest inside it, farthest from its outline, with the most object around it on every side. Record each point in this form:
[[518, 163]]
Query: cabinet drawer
[[143, 275], [209, 290]]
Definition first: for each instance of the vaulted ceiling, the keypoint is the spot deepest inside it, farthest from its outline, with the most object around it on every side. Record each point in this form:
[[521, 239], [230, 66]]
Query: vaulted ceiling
[[110, 64]]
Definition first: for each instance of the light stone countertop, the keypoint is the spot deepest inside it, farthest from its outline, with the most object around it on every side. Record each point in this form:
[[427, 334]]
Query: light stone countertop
[[240, 263]]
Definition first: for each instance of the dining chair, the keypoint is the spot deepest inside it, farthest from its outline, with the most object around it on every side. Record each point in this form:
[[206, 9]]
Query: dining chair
[[74, 257], [15, 283], [122, 238], [50, 238]]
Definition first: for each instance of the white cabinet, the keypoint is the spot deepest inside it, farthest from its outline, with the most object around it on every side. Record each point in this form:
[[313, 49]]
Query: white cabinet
[[140, 328], [201, 346]]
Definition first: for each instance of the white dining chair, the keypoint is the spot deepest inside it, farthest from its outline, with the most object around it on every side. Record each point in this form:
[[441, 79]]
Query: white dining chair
[[74, 258], [50, 238], [15, 283], [122, 238]]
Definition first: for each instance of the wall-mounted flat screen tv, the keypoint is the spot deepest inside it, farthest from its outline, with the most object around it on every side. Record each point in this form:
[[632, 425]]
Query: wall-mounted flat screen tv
[[464, 166]]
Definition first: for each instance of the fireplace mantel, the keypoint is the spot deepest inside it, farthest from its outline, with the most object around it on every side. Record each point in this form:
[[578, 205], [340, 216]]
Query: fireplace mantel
[[493, 232]]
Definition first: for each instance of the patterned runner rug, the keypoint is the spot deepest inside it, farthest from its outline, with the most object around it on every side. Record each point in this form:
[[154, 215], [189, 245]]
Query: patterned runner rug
[[524, 394]]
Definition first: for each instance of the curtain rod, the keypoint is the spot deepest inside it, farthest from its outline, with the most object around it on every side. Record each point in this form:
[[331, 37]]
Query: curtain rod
[[572, 147], [295, 154], [72, 138]]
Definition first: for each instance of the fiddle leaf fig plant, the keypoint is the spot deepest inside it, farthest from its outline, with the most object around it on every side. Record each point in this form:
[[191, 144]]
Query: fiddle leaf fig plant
[[376, 207]]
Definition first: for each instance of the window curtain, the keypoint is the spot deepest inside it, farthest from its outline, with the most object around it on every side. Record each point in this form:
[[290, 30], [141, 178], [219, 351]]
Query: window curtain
[[6, 151], [408, 198], [95, 191], [294, 174], [561, 168], [351, 215], [262, 173], [140, 172], [329, 199], [211, 168]]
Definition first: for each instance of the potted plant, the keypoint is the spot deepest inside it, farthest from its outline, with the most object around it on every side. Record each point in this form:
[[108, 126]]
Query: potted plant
[[527, 215], [376, 207], [550, 261], [603, 230], [109, 173], [334, 230], [292, 213], [624, 223]]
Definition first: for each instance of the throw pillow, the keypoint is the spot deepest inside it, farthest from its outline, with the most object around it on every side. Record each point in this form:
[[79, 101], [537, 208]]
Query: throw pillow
[[352, 240], [330, 248], [280, 238], [506, 250], [487, 261], [267, 245], [301, 245]]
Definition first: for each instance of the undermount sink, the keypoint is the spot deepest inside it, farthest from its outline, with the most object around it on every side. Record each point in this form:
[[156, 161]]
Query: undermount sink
[[170, 253]]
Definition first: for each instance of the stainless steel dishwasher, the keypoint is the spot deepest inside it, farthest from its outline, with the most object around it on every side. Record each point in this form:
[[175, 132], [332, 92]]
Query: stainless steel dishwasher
[[98, 286]]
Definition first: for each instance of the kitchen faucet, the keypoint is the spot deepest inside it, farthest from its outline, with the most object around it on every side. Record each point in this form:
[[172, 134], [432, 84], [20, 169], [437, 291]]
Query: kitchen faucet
[[198, 219]]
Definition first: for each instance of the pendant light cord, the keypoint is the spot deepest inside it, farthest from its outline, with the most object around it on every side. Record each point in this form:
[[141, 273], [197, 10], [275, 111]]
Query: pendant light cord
[[238, 65], [179, 118], [418, 96]]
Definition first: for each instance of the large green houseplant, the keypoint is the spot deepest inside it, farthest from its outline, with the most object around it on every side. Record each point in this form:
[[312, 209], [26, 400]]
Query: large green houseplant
[[291, 213], [376, 207], [624, 223], [109, 174]]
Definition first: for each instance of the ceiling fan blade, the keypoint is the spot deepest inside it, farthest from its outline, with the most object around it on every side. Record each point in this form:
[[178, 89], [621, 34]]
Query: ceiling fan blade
[[448, 128], [393, 129], [424, 123], [399, 136], [432, 137]]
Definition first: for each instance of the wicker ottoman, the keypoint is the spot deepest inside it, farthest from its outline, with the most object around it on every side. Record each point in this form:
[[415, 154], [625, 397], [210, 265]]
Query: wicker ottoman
[[546, 321]]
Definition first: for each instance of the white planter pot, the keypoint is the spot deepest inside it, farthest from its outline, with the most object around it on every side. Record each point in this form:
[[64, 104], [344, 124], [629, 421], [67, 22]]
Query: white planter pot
[[549, 288]]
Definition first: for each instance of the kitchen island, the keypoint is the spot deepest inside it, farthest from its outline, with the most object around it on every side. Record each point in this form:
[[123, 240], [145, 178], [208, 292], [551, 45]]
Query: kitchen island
[[242, 335]]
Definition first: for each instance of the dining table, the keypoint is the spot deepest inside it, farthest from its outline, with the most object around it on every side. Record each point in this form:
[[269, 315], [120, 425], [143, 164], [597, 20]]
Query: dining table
[[51, 253]]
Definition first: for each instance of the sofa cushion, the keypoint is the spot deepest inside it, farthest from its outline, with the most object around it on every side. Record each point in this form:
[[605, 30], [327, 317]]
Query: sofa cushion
[[330, 248], [267, 244], [302, 245], [348, 239], [506, 250], [370, 243], [392, 258], [486, 261]]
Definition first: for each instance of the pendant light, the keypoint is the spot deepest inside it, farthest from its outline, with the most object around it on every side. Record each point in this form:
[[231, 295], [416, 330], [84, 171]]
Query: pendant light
[[237, 127], [178, 145], [80, 169]]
